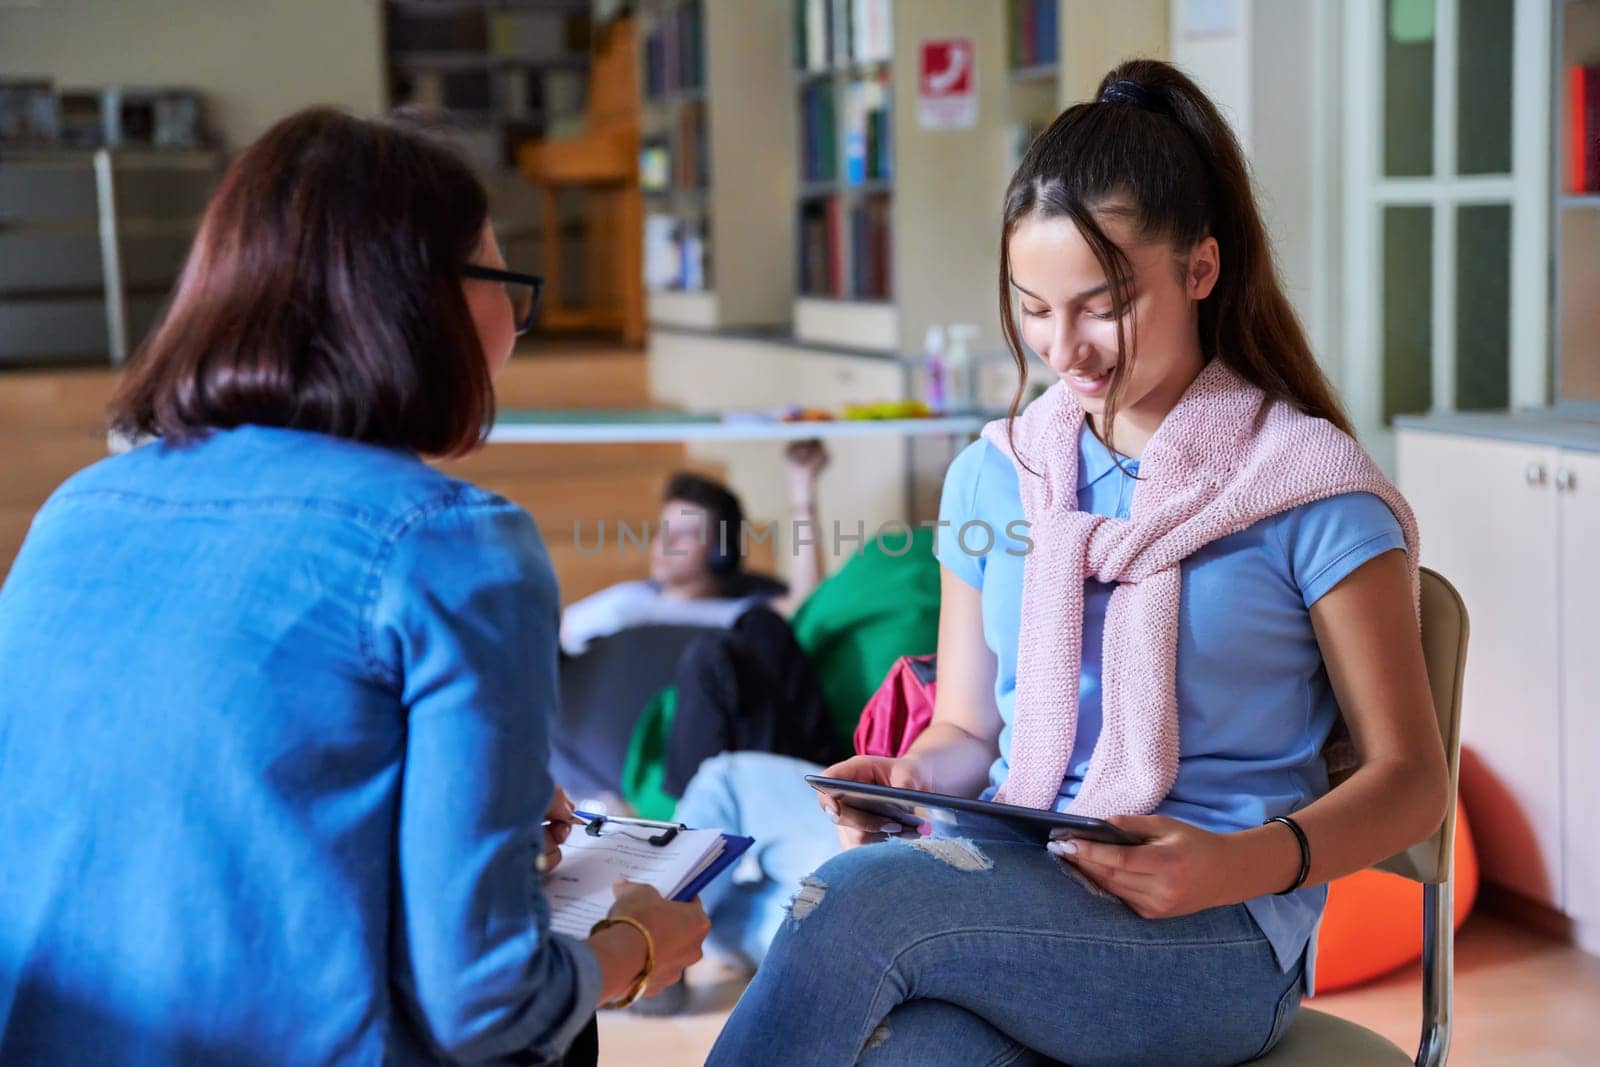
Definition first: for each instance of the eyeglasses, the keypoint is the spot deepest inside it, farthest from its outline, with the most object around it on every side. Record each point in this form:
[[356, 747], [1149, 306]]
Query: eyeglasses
[[523, 289]]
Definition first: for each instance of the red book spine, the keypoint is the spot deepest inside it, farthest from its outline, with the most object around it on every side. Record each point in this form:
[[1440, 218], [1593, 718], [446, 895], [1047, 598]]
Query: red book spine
[[1591, 130], [1576, 120], [835, 247]]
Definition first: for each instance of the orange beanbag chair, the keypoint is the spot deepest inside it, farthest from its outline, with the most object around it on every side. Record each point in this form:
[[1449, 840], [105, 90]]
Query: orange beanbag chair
[[1373, 922]]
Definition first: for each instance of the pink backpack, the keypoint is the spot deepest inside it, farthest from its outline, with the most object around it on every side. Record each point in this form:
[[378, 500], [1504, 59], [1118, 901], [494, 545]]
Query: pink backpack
[[900, 710]]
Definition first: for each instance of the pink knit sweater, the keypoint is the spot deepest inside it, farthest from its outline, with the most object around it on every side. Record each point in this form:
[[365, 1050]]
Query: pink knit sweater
[[1223, 459]]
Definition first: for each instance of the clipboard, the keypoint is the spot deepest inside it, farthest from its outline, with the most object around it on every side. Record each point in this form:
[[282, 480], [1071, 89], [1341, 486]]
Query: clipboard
[[664, 833]]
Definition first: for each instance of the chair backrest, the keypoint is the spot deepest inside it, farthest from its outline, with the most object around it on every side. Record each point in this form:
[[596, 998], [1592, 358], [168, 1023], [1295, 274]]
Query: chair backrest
[[602, 692], [614, 78], [1444, 649]]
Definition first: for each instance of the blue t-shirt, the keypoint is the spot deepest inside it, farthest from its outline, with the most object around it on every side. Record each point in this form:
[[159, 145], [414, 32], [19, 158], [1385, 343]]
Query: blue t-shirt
[[1255, 706]]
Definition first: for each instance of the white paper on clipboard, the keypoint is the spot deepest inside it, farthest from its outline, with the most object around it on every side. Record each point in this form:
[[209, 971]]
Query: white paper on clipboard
[[579, 890]]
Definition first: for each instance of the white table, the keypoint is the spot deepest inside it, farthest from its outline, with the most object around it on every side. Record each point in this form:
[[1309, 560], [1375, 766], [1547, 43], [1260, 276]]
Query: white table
[[611, 426], [614, 426]]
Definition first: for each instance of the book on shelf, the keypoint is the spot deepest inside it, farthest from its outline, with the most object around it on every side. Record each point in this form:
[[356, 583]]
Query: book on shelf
[[872, 31], [691, 158], [819, 133], [1034, 34], [830, 34], [674, 50], [660, 251], [1582, 132], [692, 268], [811, 35], [531, 36], [835, 246], [563, 92], [674, 252], [655, 166], [866, 143], [869, 248], [844, 247], [813, 248]]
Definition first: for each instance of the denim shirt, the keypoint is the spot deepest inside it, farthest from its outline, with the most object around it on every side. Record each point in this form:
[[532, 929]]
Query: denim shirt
[[273, 743], [1255, 705]]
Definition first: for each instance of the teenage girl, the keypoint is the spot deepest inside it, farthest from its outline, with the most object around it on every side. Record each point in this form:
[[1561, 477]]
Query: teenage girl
[[1215, 583]]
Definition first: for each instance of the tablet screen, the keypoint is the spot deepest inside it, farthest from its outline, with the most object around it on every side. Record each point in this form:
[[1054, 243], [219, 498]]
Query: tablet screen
[[922, 811]]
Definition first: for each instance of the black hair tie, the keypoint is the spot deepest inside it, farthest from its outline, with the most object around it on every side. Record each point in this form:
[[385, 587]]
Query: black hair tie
[[1126, 91]]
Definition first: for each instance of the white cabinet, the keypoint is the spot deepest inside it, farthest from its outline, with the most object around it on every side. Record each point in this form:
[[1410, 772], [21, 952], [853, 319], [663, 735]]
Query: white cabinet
[[1487, 514], [1516, 527], [1578, 483]]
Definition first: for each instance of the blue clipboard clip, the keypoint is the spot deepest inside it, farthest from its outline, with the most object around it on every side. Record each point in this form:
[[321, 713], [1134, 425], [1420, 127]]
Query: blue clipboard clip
[[594, 825]]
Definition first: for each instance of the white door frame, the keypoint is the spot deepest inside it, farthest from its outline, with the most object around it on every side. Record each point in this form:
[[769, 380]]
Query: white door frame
[[1367, 192]]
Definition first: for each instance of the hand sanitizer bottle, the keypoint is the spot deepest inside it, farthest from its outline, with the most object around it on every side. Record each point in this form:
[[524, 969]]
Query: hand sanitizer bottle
[[933, 366], [962, 375]]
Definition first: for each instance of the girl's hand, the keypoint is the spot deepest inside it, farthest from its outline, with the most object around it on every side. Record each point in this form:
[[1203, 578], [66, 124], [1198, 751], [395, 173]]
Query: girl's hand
[[1179, 869], [857, 827]]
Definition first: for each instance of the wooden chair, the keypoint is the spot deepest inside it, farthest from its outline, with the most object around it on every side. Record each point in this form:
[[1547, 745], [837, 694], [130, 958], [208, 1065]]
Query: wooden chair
[[1317, 1039], [603, 162]]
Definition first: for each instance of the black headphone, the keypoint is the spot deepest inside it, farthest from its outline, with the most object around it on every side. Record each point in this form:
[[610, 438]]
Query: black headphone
[[720, 558], [724, 526]]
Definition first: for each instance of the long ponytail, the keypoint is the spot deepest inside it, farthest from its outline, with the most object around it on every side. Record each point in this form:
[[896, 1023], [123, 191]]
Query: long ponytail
[[1153, 148]]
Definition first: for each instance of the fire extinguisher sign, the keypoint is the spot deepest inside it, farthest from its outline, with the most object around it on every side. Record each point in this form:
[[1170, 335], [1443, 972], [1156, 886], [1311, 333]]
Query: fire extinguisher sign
[[947, 84]]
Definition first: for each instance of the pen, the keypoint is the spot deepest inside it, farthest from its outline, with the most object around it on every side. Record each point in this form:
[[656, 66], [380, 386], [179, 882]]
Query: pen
[[572, 820]]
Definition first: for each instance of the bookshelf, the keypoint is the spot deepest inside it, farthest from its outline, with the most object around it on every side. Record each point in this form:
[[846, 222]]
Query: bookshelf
[[936, 208], [716, 153], [506, 71], [941, 191], [843, 60], [1033, 37], [1575, 240], [91, 245]]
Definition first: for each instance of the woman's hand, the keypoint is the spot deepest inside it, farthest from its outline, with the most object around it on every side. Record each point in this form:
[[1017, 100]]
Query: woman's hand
[[1179, 869], [857, 827], [558, 824], [677, 930]]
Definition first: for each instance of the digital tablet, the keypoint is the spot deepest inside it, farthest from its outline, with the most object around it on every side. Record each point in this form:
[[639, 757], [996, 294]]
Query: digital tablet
[[913, 808]]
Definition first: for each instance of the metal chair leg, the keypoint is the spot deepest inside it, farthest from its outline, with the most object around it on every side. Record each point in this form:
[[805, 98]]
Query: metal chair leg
[[1438, 968]]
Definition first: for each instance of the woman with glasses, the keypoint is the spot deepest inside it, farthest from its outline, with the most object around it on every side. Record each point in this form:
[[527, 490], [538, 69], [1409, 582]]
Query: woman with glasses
[[273, 729]]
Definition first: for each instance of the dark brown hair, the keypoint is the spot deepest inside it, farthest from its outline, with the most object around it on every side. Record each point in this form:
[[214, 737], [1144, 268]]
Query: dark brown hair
[[723, 511], [323, 292], [1153, 148]]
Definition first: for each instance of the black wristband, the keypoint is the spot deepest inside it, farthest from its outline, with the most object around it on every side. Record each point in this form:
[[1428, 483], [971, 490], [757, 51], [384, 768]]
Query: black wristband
[[1305, 853]]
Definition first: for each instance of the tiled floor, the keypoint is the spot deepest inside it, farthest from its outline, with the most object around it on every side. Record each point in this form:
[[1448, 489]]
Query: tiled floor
[[1520, 999]]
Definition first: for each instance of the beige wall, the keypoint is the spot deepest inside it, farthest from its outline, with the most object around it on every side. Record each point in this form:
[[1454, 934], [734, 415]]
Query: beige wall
[[256, 60], [949, 183], [1273, 78], [1095, 36]]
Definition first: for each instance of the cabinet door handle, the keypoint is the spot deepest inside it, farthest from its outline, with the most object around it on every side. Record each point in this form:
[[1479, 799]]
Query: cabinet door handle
[[1535, 474], [1565, 482]]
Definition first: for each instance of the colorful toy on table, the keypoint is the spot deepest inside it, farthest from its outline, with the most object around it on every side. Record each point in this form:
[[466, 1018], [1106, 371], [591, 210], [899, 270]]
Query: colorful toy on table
[[888, 409], [786, 413], [798, 413]]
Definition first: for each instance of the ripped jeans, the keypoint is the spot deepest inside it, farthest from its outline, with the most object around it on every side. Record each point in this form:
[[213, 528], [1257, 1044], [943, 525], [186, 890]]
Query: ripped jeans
[[764, 796], [983, 951]]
